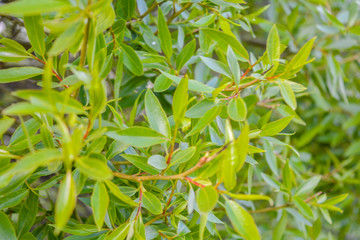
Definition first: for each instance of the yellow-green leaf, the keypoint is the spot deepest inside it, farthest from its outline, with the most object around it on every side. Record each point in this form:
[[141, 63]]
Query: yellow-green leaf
[[99, 203]]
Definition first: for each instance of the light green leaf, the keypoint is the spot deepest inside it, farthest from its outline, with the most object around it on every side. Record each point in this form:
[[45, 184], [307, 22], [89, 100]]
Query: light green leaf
[[33, 7], [120, 232], [237, 110], [208, 117], [68, 38], [308, 186], [216, 66], [151, 203], [10, 55], [141, 163], [156, 114], [206, 199], [35, 31], [162, 83], [157, 161], [182, 156], [5, 124], [242, 221], [125, 8], [132, 60], [233, 65], [273, 48], [18, 74], [303, 207], [250, 197], [280, 226], [65, 201], [186, 53], [164, 35], [138, 136], [224, 40], [12, 199], [337, 199], [273, 128], [288, 94], [180, 100], [114, 189], [94, 168], [6, 227], [205, 21], [99, 203]]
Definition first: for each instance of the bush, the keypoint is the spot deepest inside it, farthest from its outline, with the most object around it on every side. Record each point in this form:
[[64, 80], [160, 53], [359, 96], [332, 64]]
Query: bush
[[153, 120]]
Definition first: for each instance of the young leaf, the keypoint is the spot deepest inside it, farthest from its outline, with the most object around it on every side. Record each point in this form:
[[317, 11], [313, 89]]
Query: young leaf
[[6, 228], [208, 117], [206, 199], [65, 201], [303, 207], [18, 74], [237, 109], [280, 227], [180, 100], [250, 197], [186, 53], [151, 203], [35, 30], [164, 35], [242, 221], [117, 193], [182, 156], [33, 7], [273, 48], [288, 94], [94, 168], [233, 65], [99, 203], [157, 161], [5, 124], [138, 136], [132, 60], [273, 128], [119, 233], [156, 115], [216, 66], [141, 163], [125, 8]]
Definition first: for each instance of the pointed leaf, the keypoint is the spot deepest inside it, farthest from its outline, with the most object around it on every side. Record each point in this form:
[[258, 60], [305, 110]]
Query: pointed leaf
[[151, 203], [99, 203], [19, 73]]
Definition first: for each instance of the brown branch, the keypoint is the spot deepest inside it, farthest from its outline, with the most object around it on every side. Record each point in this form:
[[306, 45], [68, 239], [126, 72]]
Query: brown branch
[[179, 12], [157, 218]]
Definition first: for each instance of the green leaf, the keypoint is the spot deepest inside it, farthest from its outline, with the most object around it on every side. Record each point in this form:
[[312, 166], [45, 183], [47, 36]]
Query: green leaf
[[132, 60], [6, 228], [156, 115], [273, 48], [19, 73], [138, 136], [151, 203], [99, 203], [12, 199], [288, 94], [337, 199], [303, 207], [182, 156], [125, 8], [65, 201], [308, 186], [120, 232], [5, 124], [9, 55], [250, 197], [27, 214], [205, 21], [186, 53], [216, 66], [80, 229], [280, 227], [224, 40], [300, 58], [164, 35], [206, 199], [68, 38], [233, 65], [180, 100], [94, 168], [33, 7], [117, 193], [162, 83], [157, 161], [273, 128], [35, 31], [242, 221], [140, 162], [208, 117], [237, 109]]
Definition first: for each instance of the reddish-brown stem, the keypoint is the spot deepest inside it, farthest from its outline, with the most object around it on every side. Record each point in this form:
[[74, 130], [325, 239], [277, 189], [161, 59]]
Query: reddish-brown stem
[[140, 200], [169, 200], [53, 70], [87, 129], [194, 182]]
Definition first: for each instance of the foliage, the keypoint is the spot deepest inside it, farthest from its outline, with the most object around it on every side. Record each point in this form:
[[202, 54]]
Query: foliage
[[155, 121]]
